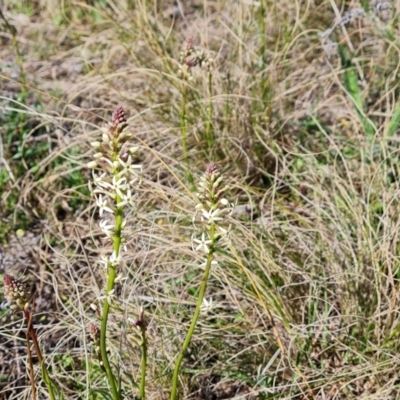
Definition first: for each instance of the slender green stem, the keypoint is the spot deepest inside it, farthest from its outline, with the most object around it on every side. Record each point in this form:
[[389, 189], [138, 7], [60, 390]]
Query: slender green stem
[[196, 314], [209, 136], [106, 307], [143, 365], [184, 130], [184, 122]]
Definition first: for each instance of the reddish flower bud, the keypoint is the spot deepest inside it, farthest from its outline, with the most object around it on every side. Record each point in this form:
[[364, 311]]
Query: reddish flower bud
[[192, 63], [211, 168], [16, 293], [118, 117], [141, 323], [94, 332], [189, 43]]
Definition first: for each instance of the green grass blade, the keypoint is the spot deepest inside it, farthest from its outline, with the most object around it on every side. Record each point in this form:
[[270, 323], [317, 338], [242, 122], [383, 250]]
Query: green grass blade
[[353, 89], [394, 121]]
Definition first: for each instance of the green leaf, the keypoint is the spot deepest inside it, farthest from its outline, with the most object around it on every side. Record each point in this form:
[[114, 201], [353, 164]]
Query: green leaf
[[353, 89], [394, 121], [105, 394]]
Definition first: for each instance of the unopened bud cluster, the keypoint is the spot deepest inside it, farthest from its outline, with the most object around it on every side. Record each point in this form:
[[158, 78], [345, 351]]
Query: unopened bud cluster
[[190, 58], [94, 333], [115, 186], [16, 293], [110, 149], [140, 322], [213, 209]]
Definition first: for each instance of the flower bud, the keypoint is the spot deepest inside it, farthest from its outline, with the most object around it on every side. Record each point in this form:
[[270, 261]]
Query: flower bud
[[133, 150], [92, 164], [94, 332], [16, 293], [118, 116], [105, 138], [211, 168]]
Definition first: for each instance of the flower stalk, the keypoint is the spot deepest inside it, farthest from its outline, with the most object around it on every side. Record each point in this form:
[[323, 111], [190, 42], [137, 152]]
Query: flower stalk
[[142, 324], [184, 72], [210, 109], [17, 295], [141, 339], [113, 192], [189, 58], [186, 343], [212, 209]]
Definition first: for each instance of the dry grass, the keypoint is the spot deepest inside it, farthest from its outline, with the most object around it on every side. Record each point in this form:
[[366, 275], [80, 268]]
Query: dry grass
[[306, 300]]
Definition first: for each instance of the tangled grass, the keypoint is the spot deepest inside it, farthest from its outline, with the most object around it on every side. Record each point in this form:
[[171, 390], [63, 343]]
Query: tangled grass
[[298, 105]]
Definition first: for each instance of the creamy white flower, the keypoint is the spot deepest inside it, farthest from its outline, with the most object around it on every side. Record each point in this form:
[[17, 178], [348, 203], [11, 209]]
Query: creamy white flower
[[104, 261], [203, 244], [128, 168], [107, 229], [115, 259], [204, 263], [127, 198], [120, 278], [119, 185], [224, 233], [135, 182], [102, 204], [108, 296], [207, 306], [211, 216], [101, 181]]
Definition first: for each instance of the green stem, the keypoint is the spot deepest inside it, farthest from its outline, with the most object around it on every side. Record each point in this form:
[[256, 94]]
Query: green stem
[[184, 132], [184, 123], [106, 307], [196, 314], [143, 365], [209, 136]]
